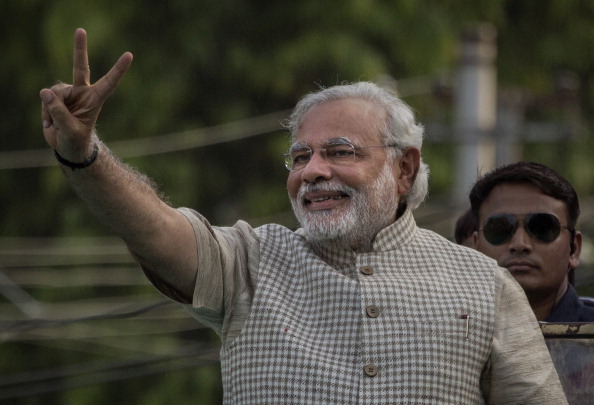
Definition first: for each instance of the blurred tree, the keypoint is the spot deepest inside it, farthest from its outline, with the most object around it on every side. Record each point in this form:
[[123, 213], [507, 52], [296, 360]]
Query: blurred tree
[[205, 63]]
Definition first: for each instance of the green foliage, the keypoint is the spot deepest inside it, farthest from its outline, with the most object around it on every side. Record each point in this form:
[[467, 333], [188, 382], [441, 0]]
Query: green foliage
[[203, 63]]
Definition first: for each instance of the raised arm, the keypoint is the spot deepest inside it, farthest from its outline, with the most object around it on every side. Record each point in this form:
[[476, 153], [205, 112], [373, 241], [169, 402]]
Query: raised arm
[[160, 238]]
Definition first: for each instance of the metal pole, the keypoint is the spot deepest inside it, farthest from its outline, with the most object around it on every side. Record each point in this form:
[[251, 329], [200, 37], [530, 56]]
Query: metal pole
[[475, 109]]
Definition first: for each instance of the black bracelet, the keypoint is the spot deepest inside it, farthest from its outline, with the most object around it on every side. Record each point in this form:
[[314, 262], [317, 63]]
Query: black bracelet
[[80, 165]]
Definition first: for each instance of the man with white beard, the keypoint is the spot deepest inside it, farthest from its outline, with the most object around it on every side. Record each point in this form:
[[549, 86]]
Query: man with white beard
[[359, 305]]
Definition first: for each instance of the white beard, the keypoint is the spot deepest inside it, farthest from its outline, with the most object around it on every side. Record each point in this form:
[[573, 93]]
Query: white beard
[[354, 224]]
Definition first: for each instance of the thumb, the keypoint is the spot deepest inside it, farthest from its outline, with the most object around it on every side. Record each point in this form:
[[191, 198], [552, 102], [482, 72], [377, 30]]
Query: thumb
[[62, 130], [46, 98], [49, 131], [54, 113], [46, 95], [60, 127]]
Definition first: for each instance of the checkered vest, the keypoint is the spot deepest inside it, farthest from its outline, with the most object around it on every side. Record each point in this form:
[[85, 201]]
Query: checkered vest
[[409, 322]]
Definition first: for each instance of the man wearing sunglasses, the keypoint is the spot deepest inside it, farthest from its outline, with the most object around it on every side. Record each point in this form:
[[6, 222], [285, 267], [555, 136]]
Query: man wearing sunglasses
[[358, 306], [527, 215]]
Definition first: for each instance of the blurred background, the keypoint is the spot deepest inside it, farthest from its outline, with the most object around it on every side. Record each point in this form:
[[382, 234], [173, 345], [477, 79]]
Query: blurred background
[[493, 81]]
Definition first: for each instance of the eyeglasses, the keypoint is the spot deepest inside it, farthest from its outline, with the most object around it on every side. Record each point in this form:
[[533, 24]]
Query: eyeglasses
[[340, 154], [500, 228]]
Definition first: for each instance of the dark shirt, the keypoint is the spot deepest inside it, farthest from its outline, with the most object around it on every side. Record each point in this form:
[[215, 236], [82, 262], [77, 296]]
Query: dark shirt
[[572, 308]]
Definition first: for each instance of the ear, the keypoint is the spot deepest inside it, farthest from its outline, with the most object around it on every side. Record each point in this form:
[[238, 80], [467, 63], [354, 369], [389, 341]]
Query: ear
[[475, 240], [408, 167], [574, 255]]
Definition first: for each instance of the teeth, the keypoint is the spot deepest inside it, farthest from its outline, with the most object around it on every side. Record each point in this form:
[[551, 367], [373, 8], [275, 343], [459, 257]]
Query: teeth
[[338, 197]]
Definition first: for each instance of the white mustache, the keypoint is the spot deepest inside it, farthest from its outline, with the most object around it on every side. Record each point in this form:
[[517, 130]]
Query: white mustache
[[324, 186]]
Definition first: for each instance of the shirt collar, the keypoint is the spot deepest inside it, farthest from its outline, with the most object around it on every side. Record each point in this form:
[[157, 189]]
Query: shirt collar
[[396, 235], [568, 309], [392, 237]]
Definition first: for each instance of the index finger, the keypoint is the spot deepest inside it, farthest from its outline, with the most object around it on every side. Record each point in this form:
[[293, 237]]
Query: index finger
[[81, 73]]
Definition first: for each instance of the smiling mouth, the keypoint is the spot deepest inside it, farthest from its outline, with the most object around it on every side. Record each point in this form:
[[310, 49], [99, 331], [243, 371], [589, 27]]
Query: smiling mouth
[[322, 199]]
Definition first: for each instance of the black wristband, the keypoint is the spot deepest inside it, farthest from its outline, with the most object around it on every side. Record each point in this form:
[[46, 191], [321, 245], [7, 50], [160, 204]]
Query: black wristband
[[80, 165]]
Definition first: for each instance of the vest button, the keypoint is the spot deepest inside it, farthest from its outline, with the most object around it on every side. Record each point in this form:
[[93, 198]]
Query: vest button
[[372, 311], [370, 370], [367, 270]]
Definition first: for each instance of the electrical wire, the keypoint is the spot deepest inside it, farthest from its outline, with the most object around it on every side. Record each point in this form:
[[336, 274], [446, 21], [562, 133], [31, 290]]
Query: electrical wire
[[178, 141], [28, 324], [159, 144], [88, 374]]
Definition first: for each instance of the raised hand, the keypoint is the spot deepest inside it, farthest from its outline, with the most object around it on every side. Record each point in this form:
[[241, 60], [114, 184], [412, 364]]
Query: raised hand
[[69, 112]]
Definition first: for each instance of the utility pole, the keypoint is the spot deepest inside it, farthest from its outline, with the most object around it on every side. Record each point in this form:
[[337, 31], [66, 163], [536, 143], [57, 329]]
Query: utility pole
[[510, 123], [475, 109]]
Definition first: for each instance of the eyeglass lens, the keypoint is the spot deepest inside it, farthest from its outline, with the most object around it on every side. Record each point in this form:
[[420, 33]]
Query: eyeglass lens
[[501, 227], [338, 154]]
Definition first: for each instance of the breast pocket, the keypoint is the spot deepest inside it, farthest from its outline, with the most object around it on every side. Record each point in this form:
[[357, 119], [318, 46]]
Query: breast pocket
[[457, 326]]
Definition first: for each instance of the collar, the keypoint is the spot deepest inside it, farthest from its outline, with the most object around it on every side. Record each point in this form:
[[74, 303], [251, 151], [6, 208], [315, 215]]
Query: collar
[[400, 233], [569, 309]]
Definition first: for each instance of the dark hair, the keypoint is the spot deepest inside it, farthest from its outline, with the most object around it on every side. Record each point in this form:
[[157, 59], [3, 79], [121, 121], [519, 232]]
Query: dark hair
[[465, 226], [547, 180]]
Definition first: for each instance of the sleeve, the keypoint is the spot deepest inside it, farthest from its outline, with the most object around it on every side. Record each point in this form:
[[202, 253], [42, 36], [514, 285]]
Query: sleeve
[[521, 370], [223, 270]]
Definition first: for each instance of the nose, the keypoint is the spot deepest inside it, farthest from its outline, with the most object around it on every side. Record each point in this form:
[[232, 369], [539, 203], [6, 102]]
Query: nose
[[520, 241], [318, 168]]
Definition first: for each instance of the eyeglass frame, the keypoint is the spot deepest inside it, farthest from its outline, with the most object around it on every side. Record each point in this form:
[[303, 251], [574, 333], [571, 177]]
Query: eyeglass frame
[[525, 219], [338, 142]]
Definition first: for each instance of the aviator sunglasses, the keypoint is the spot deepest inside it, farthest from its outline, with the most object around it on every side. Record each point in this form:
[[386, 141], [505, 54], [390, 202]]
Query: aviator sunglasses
[[500, 228]]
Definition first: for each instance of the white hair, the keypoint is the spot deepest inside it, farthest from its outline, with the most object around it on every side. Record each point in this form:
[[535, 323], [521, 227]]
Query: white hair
[[400, 127]]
